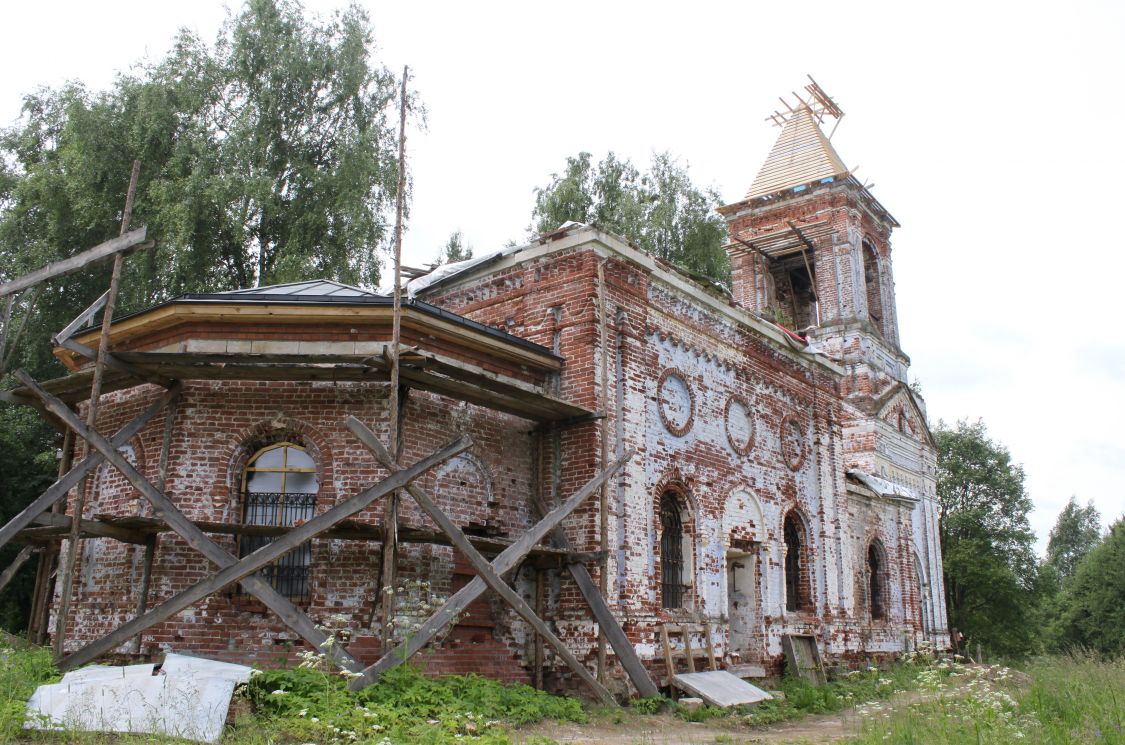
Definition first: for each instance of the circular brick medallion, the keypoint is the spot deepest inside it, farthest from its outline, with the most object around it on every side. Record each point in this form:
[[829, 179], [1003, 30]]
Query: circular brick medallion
[[739, 425], [676, 401], [793, 445]]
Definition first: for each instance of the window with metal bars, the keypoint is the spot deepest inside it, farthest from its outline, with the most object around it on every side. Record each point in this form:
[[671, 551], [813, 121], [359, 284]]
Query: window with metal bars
[[673, 588], [279, 488], [794, 563], [875, 580]]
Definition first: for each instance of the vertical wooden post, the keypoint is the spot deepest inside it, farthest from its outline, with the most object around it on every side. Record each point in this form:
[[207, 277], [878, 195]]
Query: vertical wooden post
[[5, 325], [39, 620], [540, 592], [390, 521], [92, 417], [146, 582]]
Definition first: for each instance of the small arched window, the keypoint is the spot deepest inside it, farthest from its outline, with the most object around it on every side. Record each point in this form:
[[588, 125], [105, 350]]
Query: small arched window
[[876, 580], [796, 569], [674, 560], [279, 488]]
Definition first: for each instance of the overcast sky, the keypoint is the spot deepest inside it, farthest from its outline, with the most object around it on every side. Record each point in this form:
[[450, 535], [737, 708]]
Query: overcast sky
[[992, 131]]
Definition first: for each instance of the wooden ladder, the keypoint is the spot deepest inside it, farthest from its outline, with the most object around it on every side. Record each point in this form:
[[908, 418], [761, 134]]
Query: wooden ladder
[[686, 652]]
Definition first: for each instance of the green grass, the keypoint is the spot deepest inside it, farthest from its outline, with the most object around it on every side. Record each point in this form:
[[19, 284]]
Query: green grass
[[1073, 700], [307, 704], [21, 672]]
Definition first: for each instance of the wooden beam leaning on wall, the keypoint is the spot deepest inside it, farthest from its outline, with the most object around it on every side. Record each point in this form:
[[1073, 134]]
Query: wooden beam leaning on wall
[[192, 535], [484, 569], [503, 563], [615, 635]]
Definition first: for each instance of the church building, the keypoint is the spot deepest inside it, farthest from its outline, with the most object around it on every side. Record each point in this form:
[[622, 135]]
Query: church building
[[779, 473]]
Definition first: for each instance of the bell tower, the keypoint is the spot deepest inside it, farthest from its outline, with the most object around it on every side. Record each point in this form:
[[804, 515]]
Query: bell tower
[[810, 249]]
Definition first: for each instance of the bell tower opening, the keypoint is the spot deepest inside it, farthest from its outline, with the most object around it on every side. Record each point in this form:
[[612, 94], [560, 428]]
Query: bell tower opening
[[794, 283], [873, 286]]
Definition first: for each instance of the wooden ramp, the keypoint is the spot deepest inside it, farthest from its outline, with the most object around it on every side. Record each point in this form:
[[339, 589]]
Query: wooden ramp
[[720, 688]]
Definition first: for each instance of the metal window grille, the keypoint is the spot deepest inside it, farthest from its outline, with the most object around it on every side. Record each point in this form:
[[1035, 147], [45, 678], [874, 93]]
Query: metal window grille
[[289, 575], [792, 565], [875, 582], [672, 587]]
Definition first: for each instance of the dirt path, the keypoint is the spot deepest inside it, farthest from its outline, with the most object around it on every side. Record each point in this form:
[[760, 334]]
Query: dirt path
[[630, 728]]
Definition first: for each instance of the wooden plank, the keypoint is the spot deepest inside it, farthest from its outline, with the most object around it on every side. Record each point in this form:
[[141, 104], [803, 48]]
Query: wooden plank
[[112, 359], [513, 399], [685, 632], [803, 657], [505, 562], [17, 563], [615, 635], [350, 530], [711, 660], [483, 569], [80, 319], [62, 614], [146, 582], [100, 252], [235, 570], [56, 524], [67, 482], [669, 659], [285, 610]]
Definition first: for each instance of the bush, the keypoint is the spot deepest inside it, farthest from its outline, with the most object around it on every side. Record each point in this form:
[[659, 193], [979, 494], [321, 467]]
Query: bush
[[403, 707]]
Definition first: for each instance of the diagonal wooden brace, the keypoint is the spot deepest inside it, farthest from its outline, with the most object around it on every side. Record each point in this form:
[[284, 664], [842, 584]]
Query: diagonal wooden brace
[[484, 570], [270, 552], [21, 558], [59, 489], [166, 509], [503, 563]]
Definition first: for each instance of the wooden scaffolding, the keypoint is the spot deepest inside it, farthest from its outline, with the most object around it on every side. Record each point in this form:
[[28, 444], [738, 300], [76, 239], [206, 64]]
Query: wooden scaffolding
[[43, 523]]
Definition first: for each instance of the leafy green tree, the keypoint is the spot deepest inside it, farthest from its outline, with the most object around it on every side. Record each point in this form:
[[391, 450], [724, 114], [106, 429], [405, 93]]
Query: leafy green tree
[[1076, 532], [267, 156], [991, 579], [1092, 605], [26, 468], [455, 249], [661, 210]]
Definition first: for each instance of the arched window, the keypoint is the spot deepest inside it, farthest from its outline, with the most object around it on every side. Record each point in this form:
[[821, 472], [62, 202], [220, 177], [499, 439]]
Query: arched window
[[279, 488], [796, 569], [923, 599], [873, 284], [876, 580], [675, 547]]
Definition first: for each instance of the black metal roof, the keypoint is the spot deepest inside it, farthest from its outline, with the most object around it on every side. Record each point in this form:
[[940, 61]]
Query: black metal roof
[[328, 292]]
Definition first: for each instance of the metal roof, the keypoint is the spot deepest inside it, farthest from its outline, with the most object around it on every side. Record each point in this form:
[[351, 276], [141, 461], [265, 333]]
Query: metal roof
[[801, 155], [311, 288]]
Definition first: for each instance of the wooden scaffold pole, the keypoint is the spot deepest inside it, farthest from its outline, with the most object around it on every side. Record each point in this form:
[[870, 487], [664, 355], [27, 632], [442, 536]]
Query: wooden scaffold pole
[[92, 418], [394, 435]]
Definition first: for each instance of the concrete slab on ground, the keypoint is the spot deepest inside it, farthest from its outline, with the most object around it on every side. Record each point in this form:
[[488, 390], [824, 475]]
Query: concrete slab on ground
[[720, 688]]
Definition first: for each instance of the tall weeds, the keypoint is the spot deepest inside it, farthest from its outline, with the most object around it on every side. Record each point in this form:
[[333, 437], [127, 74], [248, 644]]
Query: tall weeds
[[1066, 700]]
